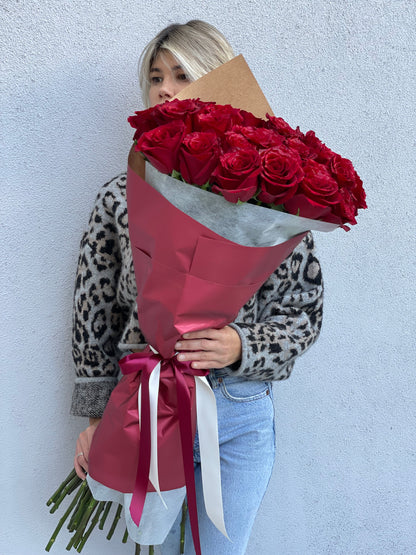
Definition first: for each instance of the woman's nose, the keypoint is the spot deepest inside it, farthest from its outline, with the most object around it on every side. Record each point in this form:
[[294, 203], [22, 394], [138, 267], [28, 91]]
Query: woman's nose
[[167, 89]]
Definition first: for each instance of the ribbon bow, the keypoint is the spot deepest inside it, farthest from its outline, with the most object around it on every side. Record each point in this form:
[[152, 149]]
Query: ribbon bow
[[150, 365]]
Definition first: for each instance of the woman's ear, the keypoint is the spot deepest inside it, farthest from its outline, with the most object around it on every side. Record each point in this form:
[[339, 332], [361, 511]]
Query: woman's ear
[[136, 162]]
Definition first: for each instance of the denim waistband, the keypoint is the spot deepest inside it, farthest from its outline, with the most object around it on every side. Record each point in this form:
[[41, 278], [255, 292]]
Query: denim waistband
[[220, 372]]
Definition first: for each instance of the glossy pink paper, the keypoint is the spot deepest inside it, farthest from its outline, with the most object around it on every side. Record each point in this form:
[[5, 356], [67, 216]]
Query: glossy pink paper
[[188, 277]]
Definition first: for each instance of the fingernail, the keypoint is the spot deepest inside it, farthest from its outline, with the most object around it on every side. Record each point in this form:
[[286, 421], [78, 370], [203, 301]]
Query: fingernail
[[178, 345], [180, 357]]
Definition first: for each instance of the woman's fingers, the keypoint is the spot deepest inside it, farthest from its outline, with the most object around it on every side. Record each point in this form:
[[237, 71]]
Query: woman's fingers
[[82, 451], [210, 348], [79, 465], [80, 461]]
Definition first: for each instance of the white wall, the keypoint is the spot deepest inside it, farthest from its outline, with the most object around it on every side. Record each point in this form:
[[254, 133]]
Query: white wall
[[344, 476]]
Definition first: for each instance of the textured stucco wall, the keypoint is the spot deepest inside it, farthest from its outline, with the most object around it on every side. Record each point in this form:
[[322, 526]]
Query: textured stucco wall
[[344, 475]]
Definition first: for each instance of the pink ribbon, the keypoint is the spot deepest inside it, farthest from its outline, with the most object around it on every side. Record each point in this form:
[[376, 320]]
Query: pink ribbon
[[145, 362]]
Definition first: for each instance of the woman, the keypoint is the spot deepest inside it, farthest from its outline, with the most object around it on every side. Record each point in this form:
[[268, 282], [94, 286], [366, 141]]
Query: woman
[[276, 325]]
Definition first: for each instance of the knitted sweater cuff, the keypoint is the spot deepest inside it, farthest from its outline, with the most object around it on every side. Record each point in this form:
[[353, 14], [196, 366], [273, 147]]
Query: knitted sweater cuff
[[91, 395], [254, 364]]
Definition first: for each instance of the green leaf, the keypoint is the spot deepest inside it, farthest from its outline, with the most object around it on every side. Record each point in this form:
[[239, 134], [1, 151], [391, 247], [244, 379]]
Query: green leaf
[[176, 175]]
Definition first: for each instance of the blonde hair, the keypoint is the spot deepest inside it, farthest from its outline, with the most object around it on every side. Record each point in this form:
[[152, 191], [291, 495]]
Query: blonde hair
[[197, 46]]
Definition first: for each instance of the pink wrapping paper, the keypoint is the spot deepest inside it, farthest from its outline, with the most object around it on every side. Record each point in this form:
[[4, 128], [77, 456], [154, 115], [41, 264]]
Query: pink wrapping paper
[[189, 277], [114, 454]]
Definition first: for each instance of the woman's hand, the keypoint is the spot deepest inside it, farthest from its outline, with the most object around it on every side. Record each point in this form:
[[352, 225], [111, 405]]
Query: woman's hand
[[83, 448], [210, 348]]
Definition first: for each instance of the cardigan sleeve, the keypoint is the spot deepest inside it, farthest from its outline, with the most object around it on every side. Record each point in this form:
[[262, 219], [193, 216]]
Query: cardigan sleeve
[[98, 315], [283, 319]]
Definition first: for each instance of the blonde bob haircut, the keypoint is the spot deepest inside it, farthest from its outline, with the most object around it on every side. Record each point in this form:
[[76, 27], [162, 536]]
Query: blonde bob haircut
[[197, 46]]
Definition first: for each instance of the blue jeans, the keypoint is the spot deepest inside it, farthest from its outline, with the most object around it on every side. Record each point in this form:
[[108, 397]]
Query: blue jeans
[[247, 450]]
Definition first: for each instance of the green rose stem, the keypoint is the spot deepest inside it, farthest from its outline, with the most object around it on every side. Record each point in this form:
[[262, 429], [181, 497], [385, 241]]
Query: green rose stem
[[65, 516], [85, 508], [105, 514], [183, 520], [79, 511], [77, 537], [115, 521], [57, 493], [138, 549], [94, 521], [69, 485]]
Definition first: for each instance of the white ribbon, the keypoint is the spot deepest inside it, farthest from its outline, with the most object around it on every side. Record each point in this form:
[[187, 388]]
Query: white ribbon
[[207, 422], [206, 410]]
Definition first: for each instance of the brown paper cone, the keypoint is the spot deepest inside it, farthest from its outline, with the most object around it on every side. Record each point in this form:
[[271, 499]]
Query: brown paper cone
[[231, 83]]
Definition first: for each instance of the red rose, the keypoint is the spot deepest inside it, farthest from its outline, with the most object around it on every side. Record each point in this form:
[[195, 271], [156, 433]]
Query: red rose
[[251, 120], [218, 118], [143, 121], [160, 146], [346, 208], [320, 151], [282, 127], [183, 110], [261, 137], [297, 144], [234, 140], [303, 206], [344, 172], [318, 195], [318, 184], [198, 157], [146, 120], [358, 192], [179, 109], [236, 176], [281, 172]]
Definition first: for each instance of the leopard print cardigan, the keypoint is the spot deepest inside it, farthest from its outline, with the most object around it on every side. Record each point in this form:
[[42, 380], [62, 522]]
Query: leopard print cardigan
[[279, 323]]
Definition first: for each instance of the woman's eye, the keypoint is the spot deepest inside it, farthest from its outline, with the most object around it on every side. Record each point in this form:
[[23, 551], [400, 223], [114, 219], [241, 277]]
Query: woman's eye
[[155, 80], [182, 77]]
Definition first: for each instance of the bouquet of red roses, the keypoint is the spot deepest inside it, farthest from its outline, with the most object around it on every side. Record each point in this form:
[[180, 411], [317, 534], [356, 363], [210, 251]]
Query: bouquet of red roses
[[199, 254], [248, 159]]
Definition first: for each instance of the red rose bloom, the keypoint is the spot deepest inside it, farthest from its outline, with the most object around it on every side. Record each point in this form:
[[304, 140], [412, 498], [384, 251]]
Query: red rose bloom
[[218, 118], [281, 126], [236, 176], [251, 120], [303, 206], [358, 192], [198, 157], [343, 171], [160, 146], [234, 140], [317, 196], [281, 172], [347, 208], [297, 144], [321, 153], [260, 136], [179, 109], [176, 109], [318, 183], [143, 121]]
